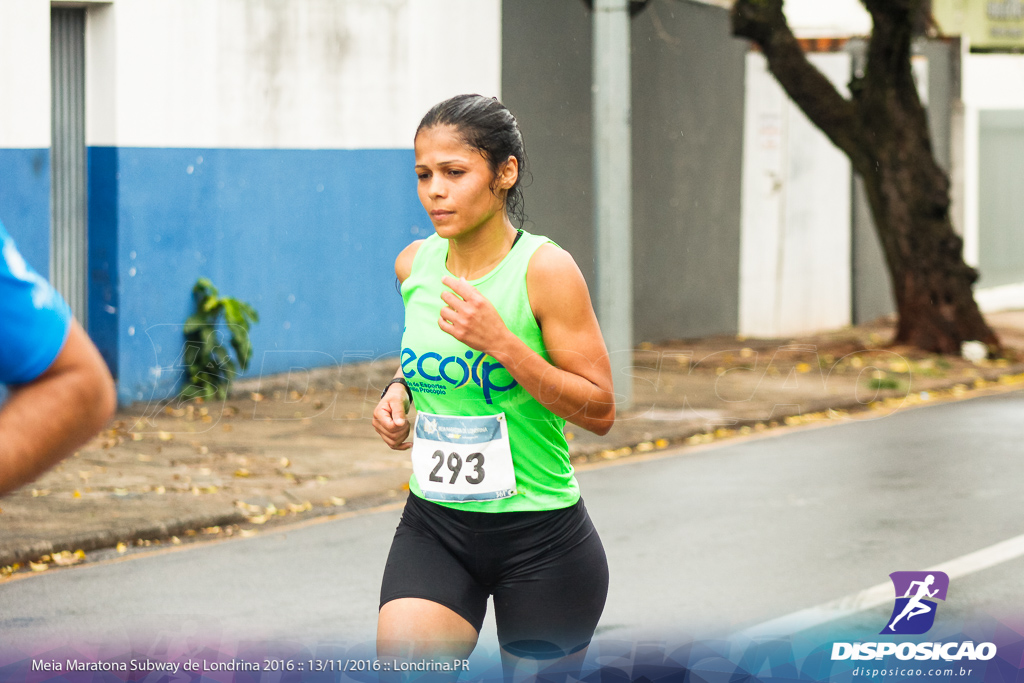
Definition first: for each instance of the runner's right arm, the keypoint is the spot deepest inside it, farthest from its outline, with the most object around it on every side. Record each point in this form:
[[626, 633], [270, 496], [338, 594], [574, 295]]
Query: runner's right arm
[[389, 417]]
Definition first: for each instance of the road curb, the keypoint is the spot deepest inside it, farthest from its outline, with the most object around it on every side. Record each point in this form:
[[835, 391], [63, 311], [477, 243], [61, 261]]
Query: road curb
[[109, 538], [993, 380]]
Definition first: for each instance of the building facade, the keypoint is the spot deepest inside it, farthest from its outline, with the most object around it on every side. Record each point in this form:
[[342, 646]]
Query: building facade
[[267, 146], [264, 144]]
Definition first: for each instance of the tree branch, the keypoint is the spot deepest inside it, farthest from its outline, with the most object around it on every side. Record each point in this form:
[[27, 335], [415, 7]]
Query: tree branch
[[763, 22], [888, 64]]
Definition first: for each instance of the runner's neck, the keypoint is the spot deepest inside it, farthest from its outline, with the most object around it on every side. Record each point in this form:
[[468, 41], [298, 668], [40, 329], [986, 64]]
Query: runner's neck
[[463, 266]]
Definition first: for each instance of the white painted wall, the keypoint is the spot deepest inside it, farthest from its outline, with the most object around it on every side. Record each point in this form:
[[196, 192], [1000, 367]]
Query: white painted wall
[[795, 219], [819, 18], [827, 18], [990, 82], [455, 47], [24, 74], [100, 74], [308, 74]]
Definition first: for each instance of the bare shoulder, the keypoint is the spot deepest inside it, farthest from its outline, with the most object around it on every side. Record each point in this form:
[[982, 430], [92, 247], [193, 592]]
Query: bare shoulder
[[554, 281], [403, 264]]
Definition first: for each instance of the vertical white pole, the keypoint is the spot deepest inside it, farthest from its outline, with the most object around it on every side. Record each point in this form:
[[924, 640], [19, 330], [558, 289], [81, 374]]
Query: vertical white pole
[[613, 191]]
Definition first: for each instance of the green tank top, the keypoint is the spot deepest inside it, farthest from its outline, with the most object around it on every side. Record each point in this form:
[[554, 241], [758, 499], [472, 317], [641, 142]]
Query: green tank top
[[449, 378]]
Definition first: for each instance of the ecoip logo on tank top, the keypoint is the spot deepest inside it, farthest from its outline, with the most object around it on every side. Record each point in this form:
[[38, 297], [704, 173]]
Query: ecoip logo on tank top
[[455, 372], [913, 613]]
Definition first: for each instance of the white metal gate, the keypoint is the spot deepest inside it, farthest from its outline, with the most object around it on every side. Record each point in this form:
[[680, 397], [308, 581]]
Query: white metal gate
[[795, 217], [1001, 205], [68, 218]]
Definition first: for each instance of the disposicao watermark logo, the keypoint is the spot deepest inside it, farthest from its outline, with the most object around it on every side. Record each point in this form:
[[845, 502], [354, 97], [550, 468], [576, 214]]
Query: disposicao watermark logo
[[913, 614], [916, 592]]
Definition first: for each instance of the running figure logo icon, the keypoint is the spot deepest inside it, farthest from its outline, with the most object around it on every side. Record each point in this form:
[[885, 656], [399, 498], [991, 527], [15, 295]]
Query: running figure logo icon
[[430, 426], [914, 612]]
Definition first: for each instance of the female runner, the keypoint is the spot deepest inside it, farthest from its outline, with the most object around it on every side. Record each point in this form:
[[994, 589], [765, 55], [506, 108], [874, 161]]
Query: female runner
[[501, 347]]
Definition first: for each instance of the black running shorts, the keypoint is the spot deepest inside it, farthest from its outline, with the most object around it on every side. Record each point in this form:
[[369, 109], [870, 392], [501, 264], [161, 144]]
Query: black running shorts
[[546, 570]]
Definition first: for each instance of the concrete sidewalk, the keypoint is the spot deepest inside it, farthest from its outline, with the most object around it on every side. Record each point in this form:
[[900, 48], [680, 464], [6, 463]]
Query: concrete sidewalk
[[287, 448]]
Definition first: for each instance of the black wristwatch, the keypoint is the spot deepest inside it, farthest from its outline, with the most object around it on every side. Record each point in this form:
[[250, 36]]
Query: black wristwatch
[[398, 380]]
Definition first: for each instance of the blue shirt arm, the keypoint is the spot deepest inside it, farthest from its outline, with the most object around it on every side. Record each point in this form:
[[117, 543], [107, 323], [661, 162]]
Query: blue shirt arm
[[34, 319]]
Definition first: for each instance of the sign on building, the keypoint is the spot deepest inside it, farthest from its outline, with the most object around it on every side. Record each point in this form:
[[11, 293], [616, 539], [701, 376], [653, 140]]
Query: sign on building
[[989, 24]]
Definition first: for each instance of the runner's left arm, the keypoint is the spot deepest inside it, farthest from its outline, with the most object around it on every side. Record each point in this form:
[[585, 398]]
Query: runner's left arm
[[47, 418]]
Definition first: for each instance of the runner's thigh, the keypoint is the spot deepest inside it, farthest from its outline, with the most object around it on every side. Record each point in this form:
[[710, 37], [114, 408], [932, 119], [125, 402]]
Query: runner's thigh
[[419, 566], [552, 608]]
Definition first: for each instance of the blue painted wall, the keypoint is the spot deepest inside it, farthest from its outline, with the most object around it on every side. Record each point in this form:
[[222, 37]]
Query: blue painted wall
[[103, 250], [25, 203], [308, 238], [25, 207]]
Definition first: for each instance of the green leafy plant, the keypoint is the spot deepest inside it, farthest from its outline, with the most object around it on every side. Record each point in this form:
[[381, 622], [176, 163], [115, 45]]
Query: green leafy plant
[[211, 369], [878, 383]]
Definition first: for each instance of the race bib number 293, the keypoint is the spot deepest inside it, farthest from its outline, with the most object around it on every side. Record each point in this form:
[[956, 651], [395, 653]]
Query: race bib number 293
[[461, 459]]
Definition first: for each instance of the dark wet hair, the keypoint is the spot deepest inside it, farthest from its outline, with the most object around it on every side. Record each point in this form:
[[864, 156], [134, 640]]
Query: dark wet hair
[[486, 125]]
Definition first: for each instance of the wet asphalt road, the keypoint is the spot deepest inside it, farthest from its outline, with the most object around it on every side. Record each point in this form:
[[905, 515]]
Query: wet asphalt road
[[702, 542]]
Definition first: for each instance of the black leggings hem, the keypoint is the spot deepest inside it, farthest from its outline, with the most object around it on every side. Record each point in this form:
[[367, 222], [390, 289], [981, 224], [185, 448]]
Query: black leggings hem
[[444, 603]]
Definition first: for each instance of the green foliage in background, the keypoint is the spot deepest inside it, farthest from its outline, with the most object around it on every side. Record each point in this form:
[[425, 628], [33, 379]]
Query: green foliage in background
[[211, 369], [878, 383]]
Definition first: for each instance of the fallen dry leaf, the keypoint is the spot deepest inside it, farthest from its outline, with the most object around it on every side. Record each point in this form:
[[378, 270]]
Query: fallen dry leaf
[[66, 558], [251, 509]]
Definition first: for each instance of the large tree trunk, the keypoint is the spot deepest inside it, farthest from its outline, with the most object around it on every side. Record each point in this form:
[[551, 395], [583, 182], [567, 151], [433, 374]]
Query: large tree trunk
[[883, 129]]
